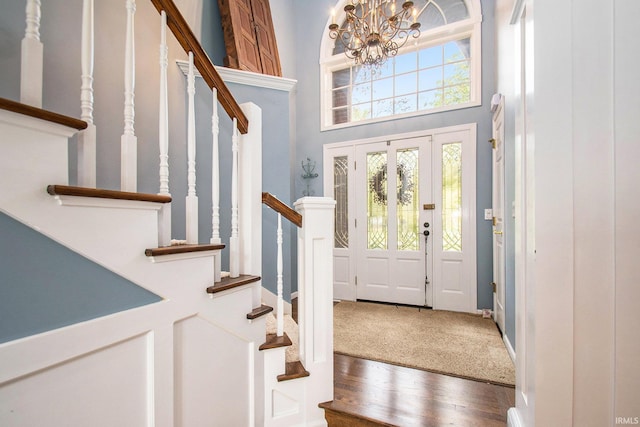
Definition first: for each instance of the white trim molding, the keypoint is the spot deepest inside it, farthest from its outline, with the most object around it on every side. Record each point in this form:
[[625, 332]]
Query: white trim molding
[[247, 78]]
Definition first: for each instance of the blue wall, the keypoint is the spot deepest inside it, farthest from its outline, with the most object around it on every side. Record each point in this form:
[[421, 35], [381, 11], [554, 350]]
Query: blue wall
[[46, 285], [276, 170], [310, 139]]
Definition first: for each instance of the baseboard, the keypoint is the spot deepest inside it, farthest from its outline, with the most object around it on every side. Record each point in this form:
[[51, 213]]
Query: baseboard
[[510, 350], [513, 418], [271, 299], [294, 295]]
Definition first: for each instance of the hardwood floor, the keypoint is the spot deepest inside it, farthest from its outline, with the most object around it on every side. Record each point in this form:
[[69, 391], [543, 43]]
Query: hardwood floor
[[395, 395], [369, 393]]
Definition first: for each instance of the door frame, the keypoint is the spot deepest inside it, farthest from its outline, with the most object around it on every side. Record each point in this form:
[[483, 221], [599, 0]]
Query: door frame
[[470, 221]]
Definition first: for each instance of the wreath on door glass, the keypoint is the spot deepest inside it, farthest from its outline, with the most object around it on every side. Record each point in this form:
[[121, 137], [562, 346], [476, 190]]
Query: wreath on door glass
[[404, 187]]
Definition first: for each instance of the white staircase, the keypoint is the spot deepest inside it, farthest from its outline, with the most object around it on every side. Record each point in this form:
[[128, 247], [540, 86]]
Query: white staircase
[[194, 358]]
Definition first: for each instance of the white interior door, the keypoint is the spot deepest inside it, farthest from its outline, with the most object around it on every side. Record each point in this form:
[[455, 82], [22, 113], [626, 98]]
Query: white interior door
[[392, 183], [498, 216]]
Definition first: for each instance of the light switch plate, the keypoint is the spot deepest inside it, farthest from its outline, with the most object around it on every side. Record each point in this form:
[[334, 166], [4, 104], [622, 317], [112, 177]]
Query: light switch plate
[[488, 214]]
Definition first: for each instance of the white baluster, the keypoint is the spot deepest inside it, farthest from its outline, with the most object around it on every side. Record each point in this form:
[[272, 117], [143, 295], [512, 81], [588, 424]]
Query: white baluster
[[31, 58], [87, 137], [279, 269], [215, 175], [129, 142], [215, 186], [234, 242], [163, 130], [164, 218], [192, 199]]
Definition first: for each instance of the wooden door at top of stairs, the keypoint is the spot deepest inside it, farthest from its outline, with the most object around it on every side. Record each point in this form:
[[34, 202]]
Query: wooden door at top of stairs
[[498, 216], [392, 183]]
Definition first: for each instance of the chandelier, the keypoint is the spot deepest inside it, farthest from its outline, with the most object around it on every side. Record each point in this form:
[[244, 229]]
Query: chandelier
[[374, 30]]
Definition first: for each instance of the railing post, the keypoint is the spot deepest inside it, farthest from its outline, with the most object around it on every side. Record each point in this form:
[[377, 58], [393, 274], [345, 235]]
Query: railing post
[[31, 58], [250, 193], [315, 296], [234, 241], [192, 199], [279, 281], [87, 137], [129, 141], [164, 216]]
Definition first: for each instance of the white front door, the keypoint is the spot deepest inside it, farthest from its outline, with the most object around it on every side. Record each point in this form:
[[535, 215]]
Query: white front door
[[392, 178], [379, 243], [498, 216]]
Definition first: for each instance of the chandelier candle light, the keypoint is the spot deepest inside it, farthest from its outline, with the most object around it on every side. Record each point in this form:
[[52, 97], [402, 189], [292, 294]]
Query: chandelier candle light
[[374, 30]]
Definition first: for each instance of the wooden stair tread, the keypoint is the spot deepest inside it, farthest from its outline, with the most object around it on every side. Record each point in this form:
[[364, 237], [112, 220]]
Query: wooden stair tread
[[230, 283], [259, 312], [67, 190], [337, 416], [293, 370], [274, 341], [181, 249], [39, 113]]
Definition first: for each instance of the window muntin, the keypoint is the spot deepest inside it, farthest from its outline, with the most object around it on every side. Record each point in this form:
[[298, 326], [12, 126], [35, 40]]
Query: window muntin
[[443, 64], [430, 78]]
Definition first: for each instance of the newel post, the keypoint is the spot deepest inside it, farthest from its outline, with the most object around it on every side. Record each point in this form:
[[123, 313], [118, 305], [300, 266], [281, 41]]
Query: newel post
[[250, 194], [315, 295]]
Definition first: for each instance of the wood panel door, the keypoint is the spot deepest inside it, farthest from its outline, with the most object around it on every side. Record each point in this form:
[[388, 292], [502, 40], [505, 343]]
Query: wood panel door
[[249, 36]]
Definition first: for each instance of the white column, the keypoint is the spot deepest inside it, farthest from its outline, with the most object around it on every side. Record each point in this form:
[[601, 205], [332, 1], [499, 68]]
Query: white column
[[31, 58], [87, 137], [315, 297], [164, 216], [250, 195], [234, 242], [192, 199], [279, 268], [128, 141]]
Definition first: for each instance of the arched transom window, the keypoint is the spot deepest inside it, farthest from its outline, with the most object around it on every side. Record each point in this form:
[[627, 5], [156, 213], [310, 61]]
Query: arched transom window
[[438, 71]]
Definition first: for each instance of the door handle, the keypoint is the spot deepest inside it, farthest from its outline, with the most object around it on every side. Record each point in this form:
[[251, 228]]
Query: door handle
[[497, 232]]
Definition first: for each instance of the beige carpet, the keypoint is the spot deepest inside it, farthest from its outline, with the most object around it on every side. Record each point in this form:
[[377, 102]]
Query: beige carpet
[[459, 344]]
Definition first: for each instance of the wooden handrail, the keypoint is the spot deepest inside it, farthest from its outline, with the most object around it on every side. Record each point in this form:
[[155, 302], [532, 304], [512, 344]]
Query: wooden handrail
[[182, 32], [274, 203], [39, 113]]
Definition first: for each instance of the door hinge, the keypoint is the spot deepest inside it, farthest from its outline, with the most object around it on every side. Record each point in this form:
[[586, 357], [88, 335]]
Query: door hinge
[[354, 165], [492, 141], [355, 222], [493, 285], [493, 220], [356, 280]]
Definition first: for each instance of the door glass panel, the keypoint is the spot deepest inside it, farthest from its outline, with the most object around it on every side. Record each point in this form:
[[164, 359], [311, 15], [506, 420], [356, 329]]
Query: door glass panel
[[340, 193], [407, 206], [377, 200], [452, 197]]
